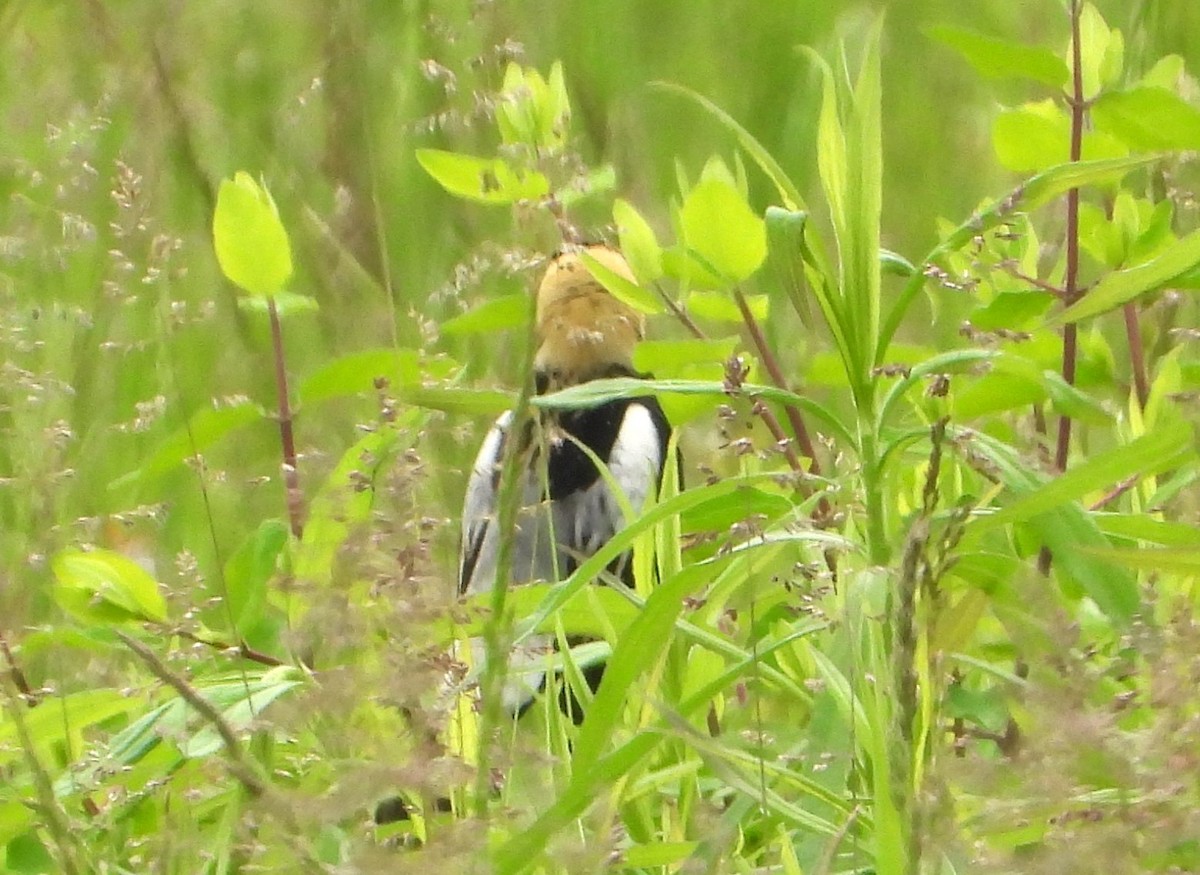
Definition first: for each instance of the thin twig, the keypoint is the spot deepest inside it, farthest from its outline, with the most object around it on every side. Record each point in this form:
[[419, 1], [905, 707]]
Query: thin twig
[[242, 649], [238, 765], [1012, 271], [1115, 493], [291, 476], [682, 315]]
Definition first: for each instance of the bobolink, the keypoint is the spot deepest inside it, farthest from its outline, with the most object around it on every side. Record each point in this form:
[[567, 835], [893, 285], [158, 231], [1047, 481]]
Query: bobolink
[[567, 510]]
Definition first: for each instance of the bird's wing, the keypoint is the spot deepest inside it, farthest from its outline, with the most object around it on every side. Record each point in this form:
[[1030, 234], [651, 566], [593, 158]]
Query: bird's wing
[[479, 511], [586, 519]]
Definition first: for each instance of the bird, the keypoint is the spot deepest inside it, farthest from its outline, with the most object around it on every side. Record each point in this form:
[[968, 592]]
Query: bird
[[567, 510]]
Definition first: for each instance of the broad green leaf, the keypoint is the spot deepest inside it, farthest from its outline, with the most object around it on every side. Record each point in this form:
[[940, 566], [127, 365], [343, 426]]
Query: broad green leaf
[[638, 243], [455, 399], [719, 226], [203, 430], [106, 586], [359, 372], [1068, 400], [665, 357], [1144, 527], [57, 720], [1012, 310], [247, 573], [1002, 59], [251, 244], [1007, 389], [1121, 286], [1166, 73], [630, 294], [496, 314], [484, 180], [1148, 119], [1039, 136]]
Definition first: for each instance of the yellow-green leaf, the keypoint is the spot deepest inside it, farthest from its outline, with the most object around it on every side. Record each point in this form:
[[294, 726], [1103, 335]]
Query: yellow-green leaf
[[106, 586], [251, 244], [484, 180], [718, 226]]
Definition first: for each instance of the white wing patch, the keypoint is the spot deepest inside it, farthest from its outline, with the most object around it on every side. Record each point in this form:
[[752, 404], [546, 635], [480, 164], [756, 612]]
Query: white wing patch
[[636, 459]]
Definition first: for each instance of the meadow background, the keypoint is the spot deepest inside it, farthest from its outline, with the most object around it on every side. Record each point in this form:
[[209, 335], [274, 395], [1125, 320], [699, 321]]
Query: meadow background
[[118, 122]]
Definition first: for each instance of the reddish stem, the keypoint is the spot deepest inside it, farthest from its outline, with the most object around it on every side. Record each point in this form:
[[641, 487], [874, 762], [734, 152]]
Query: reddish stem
[[1137, 356], [291, 478], [1071, 286]]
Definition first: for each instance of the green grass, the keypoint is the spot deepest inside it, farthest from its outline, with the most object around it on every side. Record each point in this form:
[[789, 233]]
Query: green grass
[[904, 642]]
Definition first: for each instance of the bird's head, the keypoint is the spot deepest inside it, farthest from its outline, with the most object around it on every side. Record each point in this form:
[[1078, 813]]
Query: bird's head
[[583, 332]]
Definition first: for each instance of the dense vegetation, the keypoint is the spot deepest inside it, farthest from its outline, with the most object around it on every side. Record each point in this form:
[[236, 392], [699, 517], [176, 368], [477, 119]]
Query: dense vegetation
[[922, 296]]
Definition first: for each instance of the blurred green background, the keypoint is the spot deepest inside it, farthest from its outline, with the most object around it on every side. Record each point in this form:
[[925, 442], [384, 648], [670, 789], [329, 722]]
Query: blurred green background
[[119, 119]]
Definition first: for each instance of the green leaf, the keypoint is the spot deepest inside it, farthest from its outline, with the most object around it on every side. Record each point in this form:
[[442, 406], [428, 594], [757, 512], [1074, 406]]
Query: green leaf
[[785, 255], [600, 391], [720, 307], [1001, 59], [1169, 560], [1071, 401], [718, 225], [630, 294], [1121, 286], [241, 705], [1012, 383], [455, 399], [496, 314], [1012, 310], [638, 243], [1038, 136], [247, 573], [51, 725], [484, 180], [665, 357], [1096, 50], [358, 372], [106, 586], [1160, 450], [1149, 119], [1046, 511], [204, 429], [251, 244]]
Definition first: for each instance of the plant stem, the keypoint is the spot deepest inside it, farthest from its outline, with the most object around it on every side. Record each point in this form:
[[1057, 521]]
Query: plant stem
[[1137, 355], [1071, 285], [291, 477], [772, 366]]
